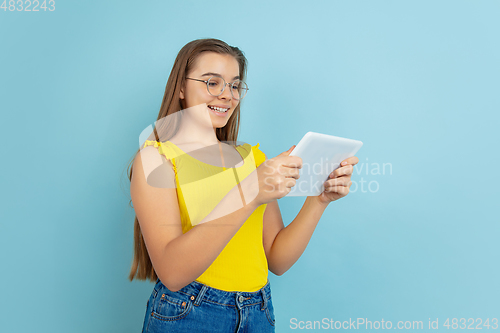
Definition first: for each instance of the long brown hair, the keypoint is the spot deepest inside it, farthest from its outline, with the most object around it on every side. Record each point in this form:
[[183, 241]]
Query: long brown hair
[[142, 267]]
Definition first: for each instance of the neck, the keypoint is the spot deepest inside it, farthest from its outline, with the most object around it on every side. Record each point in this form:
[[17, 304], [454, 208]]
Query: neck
[[196, 126]]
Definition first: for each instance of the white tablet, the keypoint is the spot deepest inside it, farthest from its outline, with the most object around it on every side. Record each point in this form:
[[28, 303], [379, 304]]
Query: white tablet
[[320, 154]]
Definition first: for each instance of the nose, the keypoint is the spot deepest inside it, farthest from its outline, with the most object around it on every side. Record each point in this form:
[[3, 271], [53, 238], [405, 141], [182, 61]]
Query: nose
[[227, 92]]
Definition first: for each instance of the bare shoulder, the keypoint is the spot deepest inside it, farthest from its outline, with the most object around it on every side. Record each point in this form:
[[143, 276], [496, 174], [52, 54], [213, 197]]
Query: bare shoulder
[[154, 168]]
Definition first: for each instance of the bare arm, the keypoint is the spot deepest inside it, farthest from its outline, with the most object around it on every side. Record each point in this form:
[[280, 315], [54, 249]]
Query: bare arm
[[285, 245]]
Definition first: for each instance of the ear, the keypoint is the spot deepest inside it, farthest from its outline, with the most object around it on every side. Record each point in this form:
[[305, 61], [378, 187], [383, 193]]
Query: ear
[[181, 95]]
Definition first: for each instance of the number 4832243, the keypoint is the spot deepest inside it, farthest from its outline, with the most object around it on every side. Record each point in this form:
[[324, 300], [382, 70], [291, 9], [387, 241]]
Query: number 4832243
[[461, 323], [28, 6]]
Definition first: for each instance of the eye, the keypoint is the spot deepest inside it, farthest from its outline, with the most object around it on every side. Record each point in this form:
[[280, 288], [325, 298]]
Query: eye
[[214, 82], [236, 86]]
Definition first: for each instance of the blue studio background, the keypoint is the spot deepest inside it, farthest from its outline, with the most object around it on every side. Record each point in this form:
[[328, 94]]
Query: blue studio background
[[416, 81]]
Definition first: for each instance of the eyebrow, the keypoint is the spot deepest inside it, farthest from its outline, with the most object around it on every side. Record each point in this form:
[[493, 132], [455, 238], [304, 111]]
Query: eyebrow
[[217, 74]]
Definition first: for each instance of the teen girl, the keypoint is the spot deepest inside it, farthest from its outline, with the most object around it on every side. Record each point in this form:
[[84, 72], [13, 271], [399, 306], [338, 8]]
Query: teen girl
[[208, 226]]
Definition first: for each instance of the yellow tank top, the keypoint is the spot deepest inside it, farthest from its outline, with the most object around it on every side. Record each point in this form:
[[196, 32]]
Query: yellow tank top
[[242, 264]]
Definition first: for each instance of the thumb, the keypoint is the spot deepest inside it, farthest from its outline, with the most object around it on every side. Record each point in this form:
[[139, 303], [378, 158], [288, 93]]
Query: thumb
[[287, 153]]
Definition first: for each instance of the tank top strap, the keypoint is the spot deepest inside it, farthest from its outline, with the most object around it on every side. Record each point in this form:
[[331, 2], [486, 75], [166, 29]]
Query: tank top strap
[[259, 156], [165, 148]]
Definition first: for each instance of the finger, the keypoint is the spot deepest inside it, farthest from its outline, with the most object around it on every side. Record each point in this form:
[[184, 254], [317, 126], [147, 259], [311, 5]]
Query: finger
[[292, 162], [343, 190], [353, 160], [343, 181], [288, 152], [294, 175], [290, 172], [290, 182], [345, 170]]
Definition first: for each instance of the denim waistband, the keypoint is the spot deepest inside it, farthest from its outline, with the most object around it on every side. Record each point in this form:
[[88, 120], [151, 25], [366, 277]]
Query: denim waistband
[[201, 292]]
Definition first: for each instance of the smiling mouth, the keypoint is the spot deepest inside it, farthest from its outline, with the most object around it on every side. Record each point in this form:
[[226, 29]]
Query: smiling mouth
[[217, 109]]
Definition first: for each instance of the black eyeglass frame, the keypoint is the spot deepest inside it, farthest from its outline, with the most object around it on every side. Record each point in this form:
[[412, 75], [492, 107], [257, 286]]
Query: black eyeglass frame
[[224, 85]]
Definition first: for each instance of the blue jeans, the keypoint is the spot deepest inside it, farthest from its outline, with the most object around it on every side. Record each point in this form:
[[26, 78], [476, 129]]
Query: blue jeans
[[200, 308]]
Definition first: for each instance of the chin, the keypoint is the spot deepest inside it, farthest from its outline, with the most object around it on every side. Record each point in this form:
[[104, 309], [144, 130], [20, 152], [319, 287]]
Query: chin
[[220, 125]]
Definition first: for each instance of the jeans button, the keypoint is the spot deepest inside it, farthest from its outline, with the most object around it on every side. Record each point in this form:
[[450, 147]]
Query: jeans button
[[241, 298]]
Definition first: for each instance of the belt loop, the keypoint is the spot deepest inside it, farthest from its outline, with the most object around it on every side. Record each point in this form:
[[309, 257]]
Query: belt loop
[[200, 295], [264, 299]]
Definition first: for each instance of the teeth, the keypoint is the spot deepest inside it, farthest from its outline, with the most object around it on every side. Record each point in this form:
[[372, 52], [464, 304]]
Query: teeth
[[221, 110]]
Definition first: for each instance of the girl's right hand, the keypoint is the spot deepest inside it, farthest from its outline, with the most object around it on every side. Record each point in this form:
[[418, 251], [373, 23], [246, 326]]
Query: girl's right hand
[[277, 176]]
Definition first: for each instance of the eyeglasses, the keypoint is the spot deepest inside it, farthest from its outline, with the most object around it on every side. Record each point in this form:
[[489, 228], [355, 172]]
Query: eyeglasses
[[216, 86]]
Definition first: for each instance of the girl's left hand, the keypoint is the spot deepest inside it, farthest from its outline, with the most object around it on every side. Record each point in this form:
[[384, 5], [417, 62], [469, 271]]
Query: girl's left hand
[[339, 181]]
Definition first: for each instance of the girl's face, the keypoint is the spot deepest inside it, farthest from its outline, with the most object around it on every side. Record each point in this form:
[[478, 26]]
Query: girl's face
[[195, 93]]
